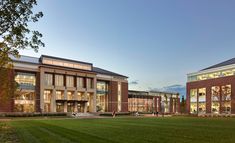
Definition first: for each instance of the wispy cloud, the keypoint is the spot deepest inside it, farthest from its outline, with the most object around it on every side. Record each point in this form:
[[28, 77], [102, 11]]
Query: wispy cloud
[[135, 82]]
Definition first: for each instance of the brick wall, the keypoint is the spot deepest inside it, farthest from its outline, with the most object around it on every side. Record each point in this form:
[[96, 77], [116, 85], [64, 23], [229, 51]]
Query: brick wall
[[124, 88], [112, 97], [208, 84], [37, 93], [6, 101]]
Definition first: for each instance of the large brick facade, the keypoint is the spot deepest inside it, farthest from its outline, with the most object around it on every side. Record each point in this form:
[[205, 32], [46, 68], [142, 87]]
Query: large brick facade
[[112, 96], [6, 101], [124, 87], [229, 80]]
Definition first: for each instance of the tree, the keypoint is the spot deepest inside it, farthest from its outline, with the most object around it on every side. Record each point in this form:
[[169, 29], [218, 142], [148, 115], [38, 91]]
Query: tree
[[15, 35], [183, 105], [14, 31]]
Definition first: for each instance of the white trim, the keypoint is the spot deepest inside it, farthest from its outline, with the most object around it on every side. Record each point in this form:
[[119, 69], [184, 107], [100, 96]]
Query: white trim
[[212, 70]]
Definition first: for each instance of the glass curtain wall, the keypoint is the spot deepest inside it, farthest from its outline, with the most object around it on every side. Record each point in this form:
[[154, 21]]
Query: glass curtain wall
[[138, 103], [47, 100], [24, 101], [25, 96], [102, 96]]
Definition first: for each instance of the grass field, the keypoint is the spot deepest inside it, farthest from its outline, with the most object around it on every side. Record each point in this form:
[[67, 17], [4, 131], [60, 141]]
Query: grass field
[[124, 130]]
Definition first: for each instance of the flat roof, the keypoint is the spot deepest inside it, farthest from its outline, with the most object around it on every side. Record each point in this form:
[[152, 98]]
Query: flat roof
[[64, 59], [35, 60], [153, 91]]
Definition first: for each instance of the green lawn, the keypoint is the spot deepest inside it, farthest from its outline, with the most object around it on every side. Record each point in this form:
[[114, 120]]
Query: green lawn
[[126, 130]]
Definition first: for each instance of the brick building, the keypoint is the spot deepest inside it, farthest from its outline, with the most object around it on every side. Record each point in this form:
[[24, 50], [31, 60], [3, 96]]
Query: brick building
[[52, 84], [212, 90]]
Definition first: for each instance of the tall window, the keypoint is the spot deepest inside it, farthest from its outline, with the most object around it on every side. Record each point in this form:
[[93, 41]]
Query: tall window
[[226, 99], [215, 99], [102, 96], [59, 80], [59, 107], [119, 97], [202, 100], [71, 107], [47, 100], [70, 95], [26, 80], [59, 95], [80, 82], [193, 101], [24, 101], [48, 79], [89, 83], [69, 81]]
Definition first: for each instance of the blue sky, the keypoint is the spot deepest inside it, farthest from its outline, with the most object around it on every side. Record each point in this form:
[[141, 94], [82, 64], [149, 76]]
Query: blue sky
[[154, 42]]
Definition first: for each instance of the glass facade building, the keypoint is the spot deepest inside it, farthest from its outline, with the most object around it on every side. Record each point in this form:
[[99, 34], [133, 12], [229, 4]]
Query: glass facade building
[[153, 101]]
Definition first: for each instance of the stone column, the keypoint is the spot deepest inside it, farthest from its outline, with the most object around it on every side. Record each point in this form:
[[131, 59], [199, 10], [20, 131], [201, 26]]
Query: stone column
[[94, 95], [178, 105], [76, 103], [171, 105], [65, 103], [85, 107], [65, 107], [53, 101]]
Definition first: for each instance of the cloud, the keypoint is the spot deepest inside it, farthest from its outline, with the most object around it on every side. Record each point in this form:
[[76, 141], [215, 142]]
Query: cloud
[[135, 82]]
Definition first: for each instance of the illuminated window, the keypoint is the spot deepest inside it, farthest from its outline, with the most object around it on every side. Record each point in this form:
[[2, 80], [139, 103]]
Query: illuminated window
[[59, 95], [227, 73], [47, 100], [202, 100], [215, 99], [226, 99], [119, 97], [102, 96], [24, 101], [212, 75], [193, 101], [26, 80], [67, 64], [70, 95]]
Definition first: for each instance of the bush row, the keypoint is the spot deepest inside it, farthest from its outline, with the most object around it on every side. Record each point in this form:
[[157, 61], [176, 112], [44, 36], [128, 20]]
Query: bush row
[[31, 114]]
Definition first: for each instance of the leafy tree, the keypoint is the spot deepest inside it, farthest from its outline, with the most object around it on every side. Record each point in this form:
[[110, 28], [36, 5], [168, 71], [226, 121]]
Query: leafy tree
[[14, 31], [15, 35]]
